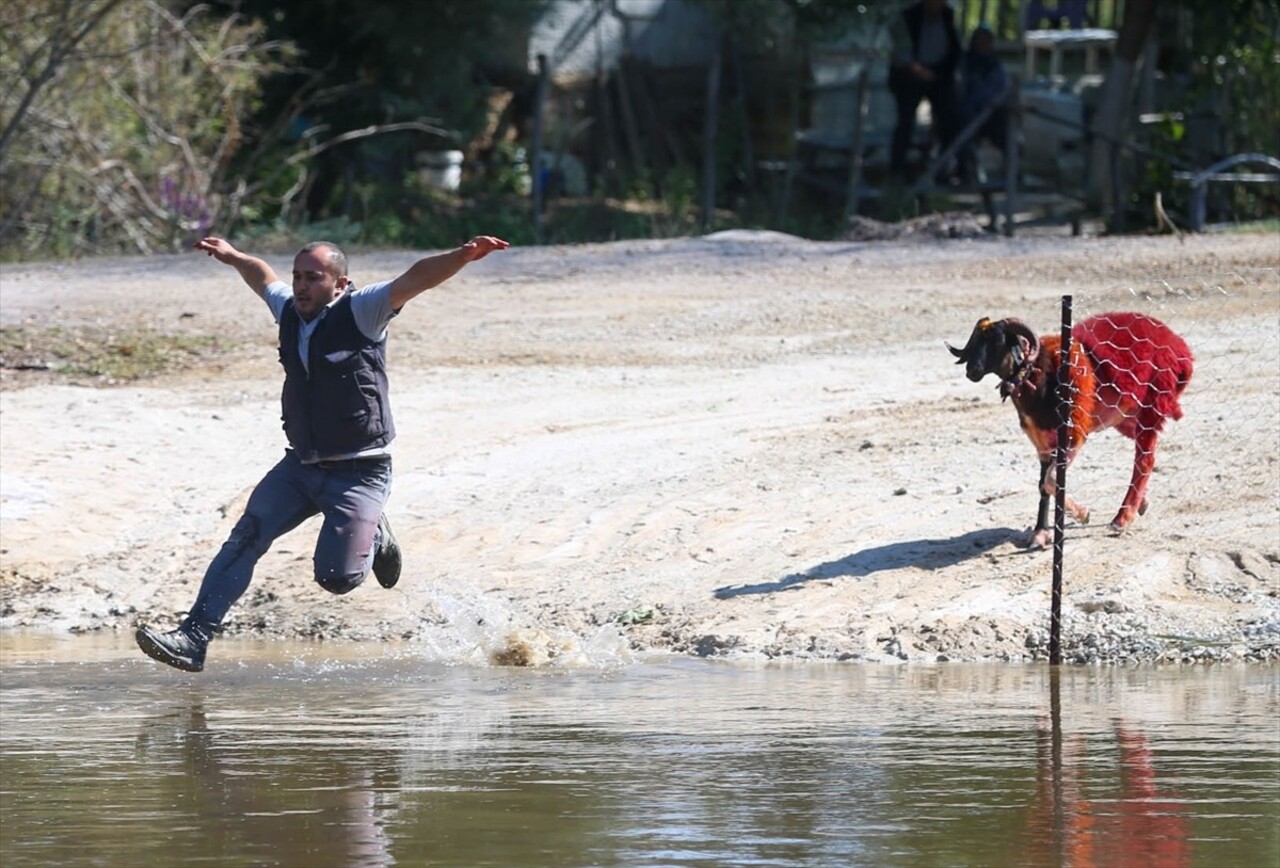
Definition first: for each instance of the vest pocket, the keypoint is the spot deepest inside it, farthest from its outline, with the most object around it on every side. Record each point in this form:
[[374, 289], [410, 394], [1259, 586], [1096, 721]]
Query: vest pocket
[[353, 424], [342, 360]]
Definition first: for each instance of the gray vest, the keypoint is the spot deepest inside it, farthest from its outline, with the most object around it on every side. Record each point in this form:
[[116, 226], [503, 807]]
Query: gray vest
[[341, 406]]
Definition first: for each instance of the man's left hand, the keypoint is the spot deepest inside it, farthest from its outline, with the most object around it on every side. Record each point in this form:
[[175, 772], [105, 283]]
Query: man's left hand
[[481, 246]]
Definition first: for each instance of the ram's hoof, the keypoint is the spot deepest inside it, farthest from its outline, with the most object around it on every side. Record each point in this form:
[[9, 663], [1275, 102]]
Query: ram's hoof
[[1040, 539]]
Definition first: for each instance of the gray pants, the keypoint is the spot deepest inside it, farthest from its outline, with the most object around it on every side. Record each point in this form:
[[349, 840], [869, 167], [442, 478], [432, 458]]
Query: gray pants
[[350, 495]]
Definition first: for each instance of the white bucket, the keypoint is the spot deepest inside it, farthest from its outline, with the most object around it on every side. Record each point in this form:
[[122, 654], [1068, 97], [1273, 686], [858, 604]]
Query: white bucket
[[442, 169]]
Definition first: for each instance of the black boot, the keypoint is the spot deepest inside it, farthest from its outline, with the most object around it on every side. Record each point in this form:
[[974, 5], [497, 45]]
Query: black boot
[[182, 648], [386, 560]]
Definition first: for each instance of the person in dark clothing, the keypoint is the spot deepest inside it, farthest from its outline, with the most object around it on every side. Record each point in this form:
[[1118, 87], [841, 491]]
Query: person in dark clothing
[[984, 82], [337, 418], [923, 67]]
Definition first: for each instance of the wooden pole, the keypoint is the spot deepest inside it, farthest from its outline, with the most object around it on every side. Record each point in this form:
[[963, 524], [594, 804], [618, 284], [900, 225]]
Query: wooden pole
[[1117, 190], [606, 135], [535, 147], [639, 73], [799, 71], [855, 146], [629, 124], [1065, 388], [1011, 157], [744, 112], [709, 138]]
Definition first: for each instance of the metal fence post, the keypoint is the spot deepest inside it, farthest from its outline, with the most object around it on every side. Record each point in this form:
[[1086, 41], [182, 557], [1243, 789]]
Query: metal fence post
[[1065, 388]]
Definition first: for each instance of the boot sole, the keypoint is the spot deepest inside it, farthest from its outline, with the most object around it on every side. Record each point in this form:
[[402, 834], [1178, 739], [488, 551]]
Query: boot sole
[[158, 652], [386, 567]]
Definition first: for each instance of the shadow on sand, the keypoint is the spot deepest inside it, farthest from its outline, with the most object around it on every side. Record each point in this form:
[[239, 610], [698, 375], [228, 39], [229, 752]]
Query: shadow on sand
[[929, 554]]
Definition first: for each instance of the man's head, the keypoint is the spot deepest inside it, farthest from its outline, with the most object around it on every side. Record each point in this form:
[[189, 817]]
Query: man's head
[[983, 41], [933, 8], [319, 276]]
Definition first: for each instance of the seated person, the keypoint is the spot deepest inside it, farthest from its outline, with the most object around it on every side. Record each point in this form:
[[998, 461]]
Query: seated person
[[984, 82]]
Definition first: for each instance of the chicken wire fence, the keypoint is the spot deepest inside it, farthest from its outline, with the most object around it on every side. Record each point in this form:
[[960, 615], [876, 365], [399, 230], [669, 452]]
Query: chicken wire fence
[[1187, 368]]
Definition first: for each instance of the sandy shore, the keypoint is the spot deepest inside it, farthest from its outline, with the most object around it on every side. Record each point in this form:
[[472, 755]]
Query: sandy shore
[[747, 444]]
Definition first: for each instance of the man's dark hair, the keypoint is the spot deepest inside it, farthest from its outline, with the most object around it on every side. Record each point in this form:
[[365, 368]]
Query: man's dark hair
[[337, 257]]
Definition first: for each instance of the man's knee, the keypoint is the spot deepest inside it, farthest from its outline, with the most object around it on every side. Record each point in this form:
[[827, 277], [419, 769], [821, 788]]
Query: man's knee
[[339, 583], [247, 536]]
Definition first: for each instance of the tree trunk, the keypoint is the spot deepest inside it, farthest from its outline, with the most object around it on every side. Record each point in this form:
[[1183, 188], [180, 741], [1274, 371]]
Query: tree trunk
[[1117, 96]]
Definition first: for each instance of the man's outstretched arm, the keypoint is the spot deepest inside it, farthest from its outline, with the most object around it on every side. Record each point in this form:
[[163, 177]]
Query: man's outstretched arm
[[253, 271], [431, 271]]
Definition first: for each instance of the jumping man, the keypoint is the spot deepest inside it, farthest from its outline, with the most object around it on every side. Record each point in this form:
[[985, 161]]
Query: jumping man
[[337, 418]]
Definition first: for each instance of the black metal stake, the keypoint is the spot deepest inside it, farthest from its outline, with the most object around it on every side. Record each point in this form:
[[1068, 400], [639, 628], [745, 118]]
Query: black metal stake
[[1065, 389]]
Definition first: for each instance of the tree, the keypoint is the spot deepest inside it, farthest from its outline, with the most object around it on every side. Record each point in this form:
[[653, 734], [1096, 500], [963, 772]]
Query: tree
[[124, 123]]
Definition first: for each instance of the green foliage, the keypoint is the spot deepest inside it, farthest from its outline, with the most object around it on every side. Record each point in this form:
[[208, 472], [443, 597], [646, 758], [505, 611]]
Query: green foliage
[[506, 173], [1224, 66], [680, 191], [1234, 54], [510, 218]]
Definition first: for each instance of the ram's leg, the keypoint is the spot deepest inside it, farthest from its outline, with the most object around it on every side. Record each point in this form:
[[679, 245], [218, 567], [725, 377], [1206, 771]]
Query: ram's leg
[[1043, 533], [1076, 510], [1144, 459]]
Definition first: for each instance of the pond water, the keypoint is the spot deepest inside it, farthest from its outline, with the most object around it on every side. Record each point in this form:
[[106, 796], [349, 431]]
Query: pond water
[[363, 755]]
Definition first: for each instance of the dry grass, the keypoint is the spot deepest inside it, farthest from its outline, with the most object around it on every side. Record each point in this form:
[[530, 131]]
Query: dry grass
[[105, 357]]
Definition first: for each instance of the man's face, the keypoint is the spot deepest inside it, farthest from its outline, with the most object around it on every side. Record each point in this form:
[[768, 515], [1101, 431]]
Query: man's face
[[314, 283]]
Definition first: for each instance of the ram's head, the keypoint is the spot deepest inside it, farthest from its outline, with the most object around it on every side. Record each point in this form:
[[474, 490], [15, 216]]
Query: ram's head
[[1005, 347]]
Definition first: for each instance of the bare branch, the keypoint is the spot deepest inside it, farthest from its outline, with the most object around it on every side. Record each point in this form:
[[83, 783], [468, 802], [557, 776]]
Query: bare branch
[[351, 135]]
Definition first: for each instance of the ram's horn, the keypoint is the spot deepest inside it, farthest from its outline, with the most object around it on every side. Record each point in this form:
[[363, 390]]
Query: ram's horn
[[1021, 329], [979, 332]]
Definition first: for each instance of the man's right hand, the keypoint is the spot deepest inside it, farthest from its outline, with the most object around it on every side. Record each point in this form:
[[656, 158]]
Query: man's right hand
[[256, 273], [219, 248]]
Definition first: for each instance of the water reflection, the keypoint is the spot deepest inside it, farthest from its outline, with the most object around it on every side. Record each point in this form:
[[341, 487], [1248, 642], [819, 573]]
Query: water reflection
[[1141, 824], [371, 761], [311, 809]]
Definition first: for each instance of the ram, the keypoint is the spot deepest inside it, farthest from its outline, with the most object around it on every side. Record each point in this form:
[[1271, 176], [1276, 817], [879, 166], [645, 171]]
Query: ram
[[1126, 371]]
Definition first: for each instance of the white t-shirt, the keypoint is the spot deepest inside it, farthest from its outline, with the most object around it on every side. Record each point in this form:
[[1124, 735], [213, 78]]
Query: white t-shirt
[[371, 308]]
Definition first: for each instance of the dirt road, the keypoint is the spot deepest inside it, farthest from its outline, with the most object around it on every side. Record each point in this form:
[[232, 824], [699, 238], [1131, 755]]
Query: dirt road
[[747, 444]]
